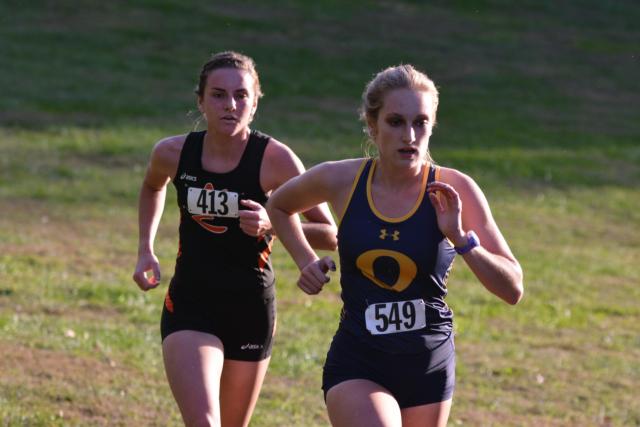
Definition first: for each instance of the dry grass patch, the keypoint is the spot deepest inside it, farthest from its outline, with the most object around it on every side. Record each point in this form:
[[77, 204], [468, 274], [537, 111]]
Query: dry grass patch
[[75, 390]]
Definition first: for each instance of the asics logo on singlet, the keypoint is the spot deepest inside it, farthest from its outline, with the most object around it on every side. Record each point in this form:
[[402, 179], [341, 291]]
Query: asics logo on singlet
[[249, 346], [188, 177]]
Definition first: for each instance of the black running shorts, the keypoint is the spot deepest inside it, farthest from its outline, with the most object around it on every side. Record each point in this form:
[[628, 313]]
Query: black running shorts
[[244, 323]]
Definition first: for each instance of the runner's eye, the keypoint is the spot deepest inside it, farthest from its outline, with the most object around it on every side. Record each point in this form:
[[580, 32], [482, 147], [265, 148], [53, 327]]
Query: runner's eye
[[394, 121]]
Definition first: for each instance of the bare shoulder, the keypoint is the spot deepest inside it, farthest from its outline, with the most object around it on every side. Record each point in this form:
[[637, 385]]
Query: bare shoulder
[[459, 180], [278, 154], [330, 182], [277, 148], [279, 164], [170, 146], [476, 213], [338, 173], [165, 155], [335, 180]]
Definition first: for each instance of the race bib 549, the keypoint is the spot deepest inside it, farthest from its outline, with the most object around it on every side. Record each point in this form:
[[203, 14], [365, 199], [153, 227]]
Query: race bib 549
[[394, 317]]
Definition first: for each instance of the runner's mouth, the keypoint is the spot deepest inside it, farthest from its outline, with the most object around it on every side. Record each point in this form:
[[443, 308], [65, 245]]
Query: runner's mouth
[[408, 150]]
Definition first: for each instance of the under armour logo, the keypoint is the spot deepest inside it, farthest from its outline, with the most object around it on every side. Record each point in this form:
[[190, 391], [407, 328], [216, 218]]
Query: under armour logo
[[383, 234]]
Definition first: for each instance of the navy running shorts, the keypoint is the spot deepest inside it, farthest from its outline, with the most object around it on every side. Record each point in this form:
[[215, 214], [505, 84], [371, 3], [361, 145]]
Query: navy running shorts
[[413, 379]]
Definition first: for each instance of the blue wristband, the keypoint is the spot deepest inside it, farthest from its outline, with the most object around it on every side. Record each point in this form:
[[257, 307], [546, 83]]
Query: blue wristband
[[472, 242]]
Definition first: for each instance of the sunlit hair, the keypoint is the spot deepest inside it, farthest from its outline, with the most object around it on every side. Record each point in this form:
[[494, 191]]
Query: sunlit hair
[[403, 76], [228, 59]]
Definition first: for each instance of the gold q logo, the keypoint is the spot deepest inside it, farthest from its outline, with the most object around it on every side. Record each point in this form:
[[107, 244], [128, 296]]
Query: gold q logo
[[407, 267]]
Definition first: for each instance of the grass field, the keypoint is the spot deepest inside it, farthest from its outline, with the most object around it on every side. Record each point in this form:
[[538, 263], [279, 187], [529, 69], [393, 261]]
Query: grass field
[[539, 103]]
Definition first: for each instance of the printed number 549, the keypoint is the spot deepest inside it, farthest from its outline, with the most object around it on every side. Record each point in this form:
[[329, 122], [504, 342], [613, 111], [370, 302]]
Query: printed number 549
[[393, 317]]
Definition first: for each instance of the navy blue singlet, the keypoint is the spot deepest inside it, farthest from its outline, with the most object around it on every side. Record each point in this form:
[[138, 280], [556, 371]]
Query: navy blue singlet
[[393, 271]]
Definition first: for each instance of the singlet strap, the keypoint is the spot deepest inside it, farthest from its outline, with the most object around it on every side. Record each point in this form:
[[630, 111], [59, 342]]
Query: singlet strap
[[358, 181], [434, 173], [251, 160], [191, 151]]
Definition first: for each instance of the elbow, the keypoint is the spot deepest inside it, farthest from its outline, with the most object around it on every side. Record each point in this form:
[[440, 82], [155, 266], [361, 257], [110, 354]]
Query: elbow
[[516, 296], [269, 207], [334, 238], [517, 289], [330, 242], [333, 242], [275, 213]]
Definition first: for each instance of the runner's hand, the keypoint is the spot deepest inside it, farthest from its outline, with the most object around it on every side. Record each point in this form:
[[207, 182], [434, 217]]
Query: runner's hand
[[147, 263], [448, 206], [254, 221], [314, 276]]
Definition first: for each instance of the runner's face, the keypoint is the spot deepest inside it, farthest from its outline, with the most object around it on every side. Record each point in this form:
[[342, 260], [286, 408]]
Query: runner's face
[[404, 126], [229, 101]]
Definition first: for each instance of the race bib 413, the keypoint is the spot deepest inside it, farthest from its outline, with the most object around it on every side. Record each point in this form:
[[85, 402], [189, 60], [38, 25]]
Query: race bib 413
[[219, 203]]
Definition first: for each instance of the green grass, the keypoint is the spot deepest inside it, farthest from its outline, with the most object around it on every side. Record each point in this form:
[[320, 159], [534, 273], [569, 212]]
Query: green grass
[[538, 104]]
